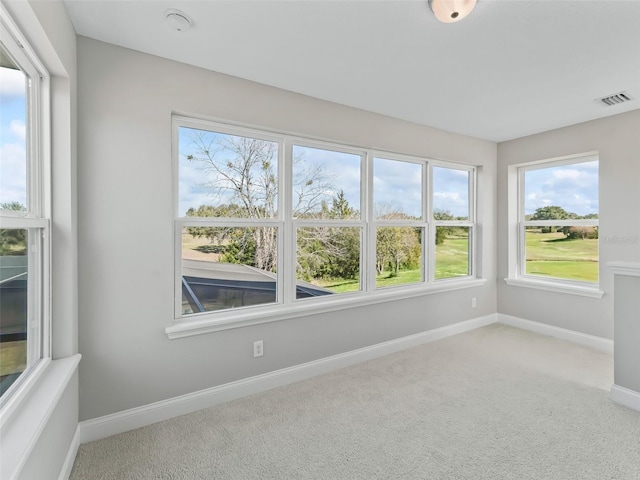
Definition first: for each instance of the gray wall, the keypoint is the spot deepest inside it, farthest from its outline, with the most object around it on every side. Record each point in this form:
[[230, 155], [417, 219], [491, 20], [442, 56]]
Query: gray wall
[[627, 332], [125, 101], [617, 139]]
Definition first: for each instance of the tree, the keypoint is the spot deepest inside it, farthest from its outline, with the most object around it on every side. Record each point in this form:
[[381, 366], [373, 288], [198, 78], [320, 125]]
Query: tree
[[552, 212], [13, 241], [442, 232], [241, 174], [397, 247], [581, 233], [330, 252]]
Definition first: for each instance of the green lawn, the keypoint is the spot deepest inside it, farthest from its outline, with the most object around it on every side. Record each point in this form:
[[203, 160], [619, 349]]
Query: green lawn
[[385, 280], [548, 254], [452, 260], [551, 255], [452, 257], [13, 357]]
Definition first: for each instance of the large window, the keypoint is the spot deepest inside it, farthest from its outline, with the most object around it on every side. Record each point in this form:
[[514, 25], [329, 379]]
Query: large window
[[23, 213], [558, 221], [266, 220]]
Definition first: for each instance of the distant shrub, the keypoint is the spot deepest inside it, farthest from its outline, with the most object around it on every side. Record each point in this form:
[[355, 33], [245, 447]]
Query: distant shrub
[[581, 233]]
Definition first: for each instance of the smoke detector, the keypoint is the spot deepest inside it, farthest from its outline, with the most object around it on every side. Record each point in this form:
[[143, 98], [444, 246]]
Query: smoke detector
[[178, 20]]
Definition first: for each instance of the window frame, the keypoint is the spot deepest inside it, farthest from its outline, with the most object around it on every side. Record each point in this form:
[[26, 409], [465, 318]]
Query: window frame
[[288, 306], [517, 275], [182, 222], [37, 217], [290, 281], [423, 222], [471, 223]]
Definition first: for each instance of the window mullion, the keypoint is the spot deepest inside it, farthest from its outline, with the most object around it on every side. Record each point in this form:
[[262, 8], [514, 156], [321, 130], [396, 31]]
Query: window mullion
[[287, 244], [368, 261], [431, 232]]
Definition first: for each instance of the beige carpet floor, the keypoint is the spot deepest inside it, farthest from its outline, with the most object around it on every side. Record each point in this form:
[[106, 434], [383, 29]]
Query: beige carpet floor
[[494, 403]]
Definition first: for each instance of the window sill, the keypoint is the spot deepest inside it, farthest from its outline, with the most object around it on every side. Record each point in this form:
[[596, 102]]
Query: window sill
[[556, 287], [257, 315], [27, 420]]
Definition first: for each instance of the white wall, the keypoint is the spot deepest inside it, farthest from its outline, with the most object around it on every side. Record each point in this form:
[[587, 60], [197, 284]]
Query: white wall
[[125, 230], [617, 139]]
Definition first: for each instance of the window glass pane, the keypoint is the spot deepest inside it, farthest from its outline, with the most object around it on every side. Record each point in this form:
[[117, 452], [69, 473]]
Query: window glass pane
[[228, 267], [450, 194], [224, 175], [326, 184], [13, 135], [13, 305], [452, 252], [569, 253], [397, 190], [327, 261], [561, 192], [398, 256]]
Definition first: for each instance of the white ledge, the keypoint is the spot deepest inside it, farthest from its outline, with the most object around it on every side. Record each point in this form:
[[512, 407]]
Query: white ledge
[[21, 432], [215, 322], [630, 269], [556, 287]]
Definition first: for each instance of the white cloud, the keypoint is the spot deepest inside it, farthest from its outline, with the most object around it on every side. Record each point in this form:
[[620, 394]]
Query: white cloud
[[567, 173], [455, 196], [18, 129], [13, 173], [12, 82]]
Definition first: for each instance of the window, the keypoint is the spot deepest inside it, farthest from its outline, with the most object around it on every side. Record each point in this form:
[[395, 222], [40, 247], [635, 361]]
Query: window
[[23, 213], [558, 221], [398, 188], [229, 191], [453, 220], [327, 218], [266, 220]]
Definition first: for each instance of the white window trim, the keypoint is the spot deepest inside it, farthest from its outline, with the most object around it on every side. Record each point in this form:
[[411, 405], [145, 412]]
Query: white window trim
[[202, 323], [37, 218], [516, 224], [288, 306], [471, 223]]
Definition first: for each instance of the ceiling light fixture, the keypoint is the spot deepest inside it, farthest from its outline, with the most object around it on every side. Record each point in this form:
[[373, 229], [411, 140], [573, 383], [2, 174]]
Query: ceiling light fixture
[[178, 20], [449, 11]]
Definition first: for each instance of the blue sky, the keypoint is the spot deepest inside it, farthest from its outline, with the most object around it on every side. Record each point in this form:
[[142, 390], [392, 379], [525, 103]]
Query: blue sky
[[13, 173], [397, 185], [451, 191], [573, 187]]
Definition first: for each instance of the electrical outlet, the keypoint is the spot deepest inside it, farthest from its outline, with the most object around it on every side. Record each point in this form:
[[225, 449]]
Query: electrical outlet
[[473, 302], [258, 348]]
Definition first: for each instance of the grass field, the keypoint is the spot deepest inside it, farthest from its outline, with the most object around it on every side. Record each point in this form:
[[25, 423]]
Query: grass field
[[13, 357], [552, 255], [452, 257], [547, 254]]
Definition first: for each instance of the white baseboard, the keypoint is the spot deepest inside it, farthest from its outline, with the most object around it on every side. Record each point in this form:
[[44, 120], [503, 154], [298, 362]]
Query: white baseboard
[[124, 421], [599, 343], [625, 396], [67, 466]]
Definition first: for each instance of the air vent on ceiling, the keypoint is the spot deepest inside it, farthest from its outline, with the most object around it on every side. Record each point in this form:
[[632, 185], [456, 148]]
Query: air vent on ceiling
[[616, 98]]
